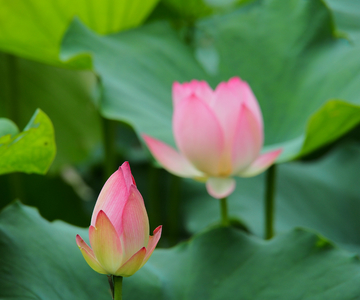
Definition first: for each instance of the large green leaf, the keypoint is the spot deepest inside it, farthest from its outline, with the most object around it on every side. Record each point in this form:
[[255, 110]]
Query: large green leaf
[[40, 260], [65, 95], [31, 151], [346, 14], [137, 69], [227, 264], [290, 58], [292, 62], [330, 122], [322, 195], [34, 28]]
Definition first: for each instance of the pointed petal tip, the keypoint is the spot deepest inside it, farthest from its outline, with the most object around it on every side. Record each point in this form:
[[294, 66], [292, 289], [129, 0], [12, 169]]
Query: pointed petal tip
[[125, 167], [126, 170], [134, 263], [263, 162], [157, 230], [125, 164], [236, 79], [153, 241], [196, 87], [101, 214], [112, 194], [82, 244], [176, 84], [79, 241]]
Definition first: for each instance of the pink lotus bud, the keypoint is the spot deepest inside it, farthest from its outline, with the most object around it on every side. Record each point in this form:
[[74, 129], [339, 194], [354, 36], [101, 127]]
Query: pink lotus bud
[[119, 231], [219, 134]]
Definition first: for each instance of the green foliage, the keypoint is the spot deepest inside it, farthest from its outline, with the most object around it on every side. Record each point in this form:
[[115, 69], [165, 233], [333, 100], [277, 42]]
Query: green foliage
[[40, 25], [293, 78], [40, 260], [287, 52], [346, 14], [301, 58], [322, 195], [221, 263], [137, 70], [65, 95], [31, 151], [330, 122]]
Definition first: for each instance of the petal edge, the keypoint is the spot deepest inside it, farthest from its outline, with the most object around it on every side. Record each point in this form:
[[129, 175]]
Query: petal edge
[[89, 256], [106, 243], [198, 134], [133, 264], [263, 162], [153, 240], [135, 233], [170, 159]]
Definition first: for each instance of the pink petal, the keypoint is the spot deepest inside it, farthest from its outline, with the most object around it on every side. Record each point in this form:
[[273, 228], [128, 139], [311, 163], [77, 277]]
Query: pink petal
[[263, 162], [113, 196], [198, 134], [135, 234], [170, 159], [129, 179], [153, 240], [248, 140], [227, 104], [132, 265], [199, 88], [106, 243], [219, 187], [243, 88], [89, 255]]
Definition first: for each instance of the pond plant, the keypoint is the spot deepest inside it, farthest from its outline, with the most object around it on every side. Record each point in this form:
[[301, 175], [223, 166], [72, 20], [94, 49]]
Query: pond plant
[[239, 119]]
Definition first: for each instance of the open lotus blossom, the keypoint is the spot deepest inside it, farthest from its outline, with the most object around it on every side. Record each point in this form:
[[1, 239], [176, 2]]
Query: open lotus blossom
[[219, 135], [119, 231]]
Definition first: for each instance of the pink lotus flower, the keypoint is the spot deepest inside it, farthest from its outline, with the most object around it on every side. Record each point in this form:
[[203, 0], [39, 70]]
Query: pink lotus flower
[[119, 231], [219, 134]]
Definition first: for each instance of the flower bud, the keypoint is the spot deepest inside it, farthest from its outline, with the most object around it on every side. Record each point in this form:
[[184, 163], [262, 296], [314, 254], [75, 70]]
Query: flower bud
[[119, 231]]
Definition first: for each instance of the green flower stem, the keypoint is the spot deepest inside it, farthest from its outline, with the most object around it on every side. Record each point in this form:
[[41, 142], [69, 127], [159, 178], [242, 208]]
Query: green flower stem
[[224, 212], [111, 283], [270, 202], [117, 287], [109, 131]]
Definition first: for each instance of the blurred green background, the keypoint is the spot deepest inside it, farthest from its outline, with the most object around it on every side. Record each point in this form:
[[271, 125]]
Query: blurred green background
[[102, 73]]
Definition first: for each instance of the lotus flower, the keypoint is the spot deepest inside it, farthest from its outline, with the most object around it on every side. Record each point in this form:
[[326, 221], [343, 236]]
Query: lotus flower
[[119, 231], [219, 135]]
